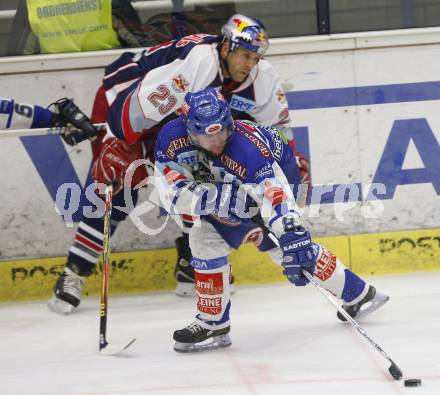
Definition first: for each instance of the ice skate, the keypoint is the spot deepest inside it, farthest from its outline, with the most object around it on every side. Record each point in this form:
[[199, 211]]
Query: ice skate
[[371, 302], [196, 338], [67, 292]]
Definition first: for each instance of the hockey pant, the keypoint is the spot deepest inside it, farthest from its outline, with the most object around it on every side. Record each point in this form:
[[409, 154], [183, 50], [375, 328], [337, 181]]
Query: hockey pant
[[211, 244]]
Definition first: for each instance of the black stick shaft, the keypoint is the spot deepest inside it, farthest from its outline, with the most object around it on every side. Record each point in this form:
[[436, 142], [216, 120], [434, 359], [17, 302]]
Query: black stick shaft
[[105, 269]]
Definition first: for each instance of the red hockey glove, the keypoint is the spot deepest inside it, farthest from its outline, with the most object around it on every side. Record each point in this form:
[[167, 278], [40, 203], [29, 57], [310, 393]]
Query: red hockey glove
[[113, 161]]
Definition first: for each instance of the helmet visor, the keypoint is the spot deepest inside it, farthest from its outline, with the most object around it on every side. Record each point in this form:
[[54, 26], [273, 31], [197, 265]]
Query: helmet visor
[[213, 143]]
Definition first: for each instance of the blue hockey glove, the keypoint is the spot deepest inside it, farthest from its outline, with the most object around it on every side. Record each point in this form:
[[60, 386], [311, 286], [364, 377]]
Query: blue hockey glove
[[297, 255]]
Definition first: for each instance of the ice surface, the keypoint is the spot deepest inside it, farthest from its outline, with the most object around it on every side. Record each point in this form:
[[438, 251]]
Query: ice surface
[[285, 340]]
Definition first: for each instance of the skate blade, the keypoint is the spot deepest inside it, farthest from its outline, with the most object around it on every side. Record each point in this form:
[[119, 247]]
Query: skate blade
[[59, 306], [378, 301], [213, 343]]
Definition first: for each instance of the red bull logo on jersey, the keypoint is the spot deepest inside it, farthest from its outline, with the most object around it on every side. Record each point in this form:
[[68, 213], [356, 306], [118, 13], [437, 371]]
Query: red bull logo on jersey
[[281, 97], [214, 128], [179, 83]]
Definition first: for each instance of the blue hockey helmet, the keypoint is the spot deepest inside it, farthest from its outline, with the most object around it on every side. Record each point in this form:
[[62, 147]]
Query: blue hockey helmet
[[206, 112], [247, 33]]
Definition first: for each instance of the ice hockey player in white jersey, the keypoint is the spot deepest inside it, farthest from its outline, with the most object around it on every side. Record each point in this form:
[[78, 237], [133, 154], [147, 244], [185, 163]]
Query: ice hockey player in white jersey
[[63, 112], [141, 92], [204, 160]]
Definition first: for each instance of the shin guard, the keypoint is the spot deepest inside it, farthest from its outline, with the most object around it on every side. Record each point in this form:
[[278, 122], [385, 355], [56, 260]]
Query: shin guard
[[213, 292]]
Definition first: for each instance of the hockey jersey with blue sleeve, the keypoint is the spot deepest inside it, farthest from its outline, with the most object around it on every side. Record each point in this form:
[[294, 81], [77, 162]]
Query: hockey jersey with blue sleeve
[[15, 115], [148, 88], [248, 160]]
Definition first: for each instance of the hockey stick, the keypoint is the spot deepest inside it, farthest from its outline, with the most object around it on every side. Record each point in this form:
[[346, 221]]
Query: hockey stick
[[394, 370], [43, 131], [104, 347]]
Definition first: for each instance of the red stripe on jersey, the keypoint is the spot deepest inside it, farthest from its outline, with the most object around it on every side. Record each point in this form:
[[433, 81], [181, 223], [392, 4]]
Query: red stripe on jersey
[[88, 243], [292, 144], [274, 194], [172, 175], [249, 128], [130, 134]]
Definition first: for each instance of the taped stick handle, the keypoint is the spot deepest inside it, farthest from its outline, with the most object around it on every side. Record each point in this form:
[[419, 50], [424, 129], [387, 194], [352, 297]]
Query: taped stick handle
[[43, 131]]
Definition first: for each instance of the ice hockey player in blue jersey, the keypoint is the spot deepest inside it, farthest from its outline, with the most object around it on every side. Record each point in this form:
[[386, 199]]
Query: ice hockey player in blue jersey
[[204, 162], [141, 92], [64, 112]]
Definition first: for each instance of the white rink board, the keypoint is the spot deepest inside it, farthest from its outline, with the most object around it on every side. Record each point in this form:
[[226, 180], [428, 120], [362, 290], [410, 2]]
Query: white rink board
[[346, 145]]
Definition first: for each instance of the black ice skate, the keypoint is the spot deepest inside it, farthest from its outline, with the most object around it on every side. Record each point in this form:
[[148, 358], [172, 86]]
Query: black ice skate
[[67, 292], [371, 302], [196, 338]]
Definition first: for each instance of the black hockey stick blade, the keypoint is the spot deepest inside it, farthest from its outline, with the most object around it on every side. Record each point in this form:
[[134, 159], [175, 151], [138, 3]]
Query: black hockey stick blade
[[395, 371], [114, 349]]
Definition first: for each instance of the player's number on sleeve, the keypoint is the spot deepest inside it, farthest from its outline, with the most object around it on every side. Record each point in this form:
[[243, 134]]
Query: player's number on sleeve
[[162, 99], [24, 110]]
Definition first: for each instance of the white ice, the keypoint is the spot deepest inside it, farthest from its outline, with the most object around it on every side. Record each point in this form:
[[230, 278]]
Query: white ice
[[285, 340]]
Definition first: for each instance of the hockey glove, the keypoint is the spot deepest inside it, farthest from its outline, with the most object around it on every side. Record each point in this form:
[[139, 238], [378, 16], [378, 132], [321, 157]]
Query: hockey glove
[[218, 200], [296, 246], [66, 112], [112, 163]]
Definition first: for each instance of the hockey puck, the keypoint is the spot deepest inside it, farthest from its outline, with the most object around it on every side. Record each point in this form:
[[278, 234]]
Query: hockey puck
[[412, 382]]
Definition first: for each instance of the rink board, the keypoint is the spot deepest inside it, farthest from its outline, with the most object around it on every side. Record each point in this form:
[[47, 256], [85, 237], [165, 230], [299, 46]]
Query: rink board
[[152, 270]]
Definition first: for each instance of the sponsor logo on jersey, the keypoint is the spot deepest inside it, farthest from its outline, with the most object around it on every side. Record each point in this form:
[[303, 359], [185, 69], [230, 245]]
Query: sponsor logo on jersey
[[214, 128], [187, 158], [277, 151], [176, 145], [234, 166], [241, 104], [255, 140], [179, 83], [265, 172], [281, 97]]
